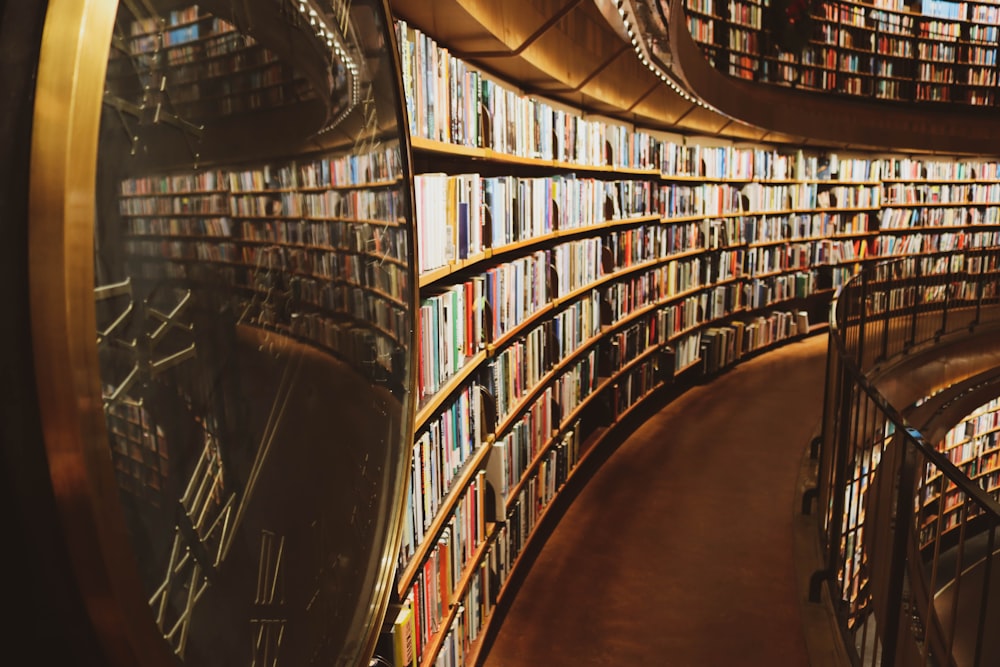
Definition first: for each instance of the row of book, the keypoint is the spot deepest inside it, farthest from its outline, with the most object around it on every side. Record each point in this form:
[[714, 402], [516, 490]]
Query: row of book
[[753, 228], [451, 102], [802, 226], [941, 193], [458, 216], [348, 171], [913, 244], [972, 450], [903, 299], [139, 449], [888, 40], [461, 215], [959, 216], [981, 421], [462, 320], [458, 322], [972, 261], [721, 347], [447, 612], [379, 243], [206, 204], [366, 349], [364, 326], [382, 205], [773, 290], [972, 445], [453, 233], [367, 169], [341, 269]]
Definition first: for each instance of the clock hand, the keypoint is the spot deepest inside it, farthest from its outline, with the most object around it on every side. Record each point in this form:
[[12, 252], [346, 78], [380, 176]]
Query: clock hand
[[278, 406]]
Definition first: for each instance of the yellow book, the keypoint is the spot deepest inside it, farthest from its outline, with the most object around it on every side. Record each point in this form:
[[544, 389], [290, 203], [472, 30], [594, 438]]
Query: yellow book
[[403, 651]]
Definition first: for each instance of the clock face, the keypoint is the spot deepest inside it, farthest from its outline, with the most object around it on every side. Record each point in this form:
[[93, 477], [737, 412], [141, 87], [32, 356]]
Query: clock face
[[246, 277]]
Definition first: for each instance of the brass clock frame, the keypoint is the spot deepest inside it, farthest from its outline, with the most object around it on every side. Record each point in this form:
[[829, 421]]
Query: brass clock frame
[[64, 152]]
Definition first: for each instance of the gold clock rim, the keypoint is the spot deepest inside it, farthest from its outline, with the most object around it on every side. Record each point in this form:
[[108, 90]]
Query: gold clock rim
[[68, 99], [62, 175]]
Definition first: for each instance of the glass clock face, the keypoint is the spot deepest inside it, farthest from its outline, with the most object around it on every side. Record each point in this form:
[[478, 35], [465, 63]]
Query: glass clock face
[[252, 295]]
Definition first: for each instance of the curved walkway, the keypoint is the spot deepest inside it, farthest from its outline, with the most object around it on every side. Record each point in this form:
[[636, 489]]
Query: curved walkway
[[679, 551]]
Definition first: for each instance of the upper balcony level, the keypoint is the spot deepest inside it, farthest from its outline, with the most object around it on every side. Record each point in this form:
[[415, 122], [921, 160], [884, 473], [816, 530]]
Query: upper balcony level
[[840, 72], [944, 53]]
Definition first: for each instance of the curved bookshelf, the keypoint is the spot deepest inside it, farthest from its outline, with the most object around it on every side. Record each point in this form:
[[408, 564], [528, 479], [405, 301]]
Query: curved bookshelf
[[748, 244], [884, 50], [972, 446]]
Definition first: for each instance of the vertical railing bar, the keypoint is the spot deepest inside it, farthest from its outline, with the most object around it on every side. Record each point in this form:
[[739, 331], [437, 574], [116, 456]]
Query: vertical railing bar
[[838, 471], [947, 299], [853, 477], [984, 599], [904, 501], [979, 287], [862, 319], [918, 272], [931, 612], [957, 580]]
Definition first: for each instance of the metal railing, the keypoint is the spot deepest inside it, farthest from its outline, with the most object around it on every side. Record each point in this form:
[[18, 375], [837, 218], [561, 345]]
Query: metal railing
[[911, 573]]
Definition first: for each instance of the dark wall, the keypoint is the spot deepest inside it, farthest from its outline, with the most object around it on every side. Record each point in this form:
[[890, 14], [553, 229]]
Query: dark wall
[[42, 601]]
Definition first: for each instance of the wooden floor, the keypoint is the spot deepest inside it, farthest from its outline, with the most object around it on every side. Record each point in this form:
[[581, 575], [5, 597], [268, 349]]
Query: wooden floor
[[679, 550]]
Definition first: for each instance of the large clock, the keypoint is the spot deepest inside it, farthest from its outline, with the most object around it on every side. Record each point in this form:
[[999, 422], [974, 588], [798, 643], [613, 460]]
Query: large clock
[[222, 299]]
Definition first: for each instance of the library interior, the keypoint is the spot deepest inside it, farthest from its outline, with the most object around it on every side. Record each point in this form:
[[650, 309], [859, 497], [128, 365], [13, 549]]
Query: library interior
[[643, 332]]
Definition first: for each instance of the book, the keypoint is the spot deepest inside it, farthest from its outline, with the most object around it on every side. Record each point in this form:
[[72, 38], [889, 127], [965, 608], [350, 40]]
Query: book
[[404, 653]]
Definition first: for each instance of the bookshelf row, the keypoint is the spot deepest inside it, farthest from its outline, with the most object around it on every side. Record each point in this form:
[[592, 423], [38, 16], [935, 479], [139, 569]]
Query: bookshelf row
[[139, 449], [944, 52], [973, 447], [315, 248], [574, 262], [512, 473], [204, 66]]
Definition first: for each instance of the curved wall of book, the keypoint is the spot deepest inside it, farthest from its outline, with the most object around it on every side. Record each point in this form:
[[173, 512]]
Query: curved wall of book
[[909, 535], [942, 52], [828, 119], [222, 296], [574, 268]]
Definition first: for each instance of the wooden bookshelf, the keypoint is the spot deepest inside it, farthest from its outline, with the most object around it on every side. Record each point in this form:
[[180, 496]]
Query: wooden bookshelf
[[973, 446], [857, 50], [743, 304]]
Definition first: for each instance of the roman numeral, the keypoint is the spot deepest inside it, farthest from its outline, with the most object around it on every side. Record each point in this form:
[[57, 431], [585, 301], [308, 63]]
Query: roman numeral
[[183, 583], [270, 571], [205, 501], [268, 633]]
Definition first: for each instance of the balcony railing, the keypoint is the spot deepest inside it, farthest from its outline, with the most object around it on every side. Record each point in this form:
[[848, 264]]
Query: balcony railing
[[912, 580]]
